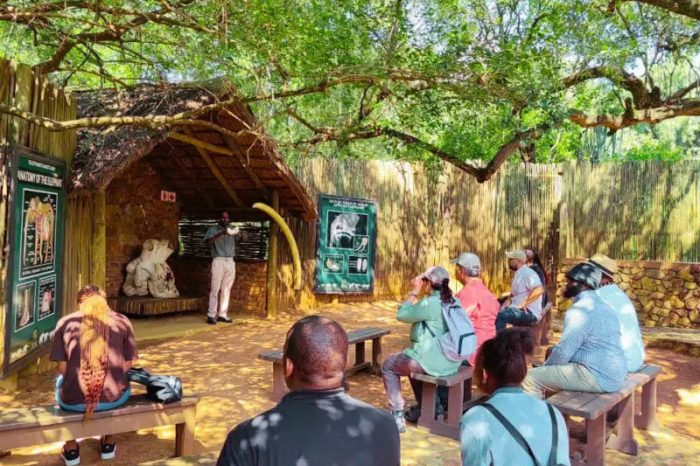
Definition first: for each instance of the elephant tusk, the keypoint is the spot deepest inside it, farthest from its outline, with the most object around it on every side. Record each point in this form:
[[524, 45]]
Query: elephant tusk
[[290, 240]]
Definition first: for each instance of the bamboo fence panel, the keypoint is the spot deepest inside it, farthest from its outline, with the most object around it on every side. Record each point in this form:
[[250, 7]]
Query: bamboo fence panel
[[427, 218], [21, 88], [633, 211]]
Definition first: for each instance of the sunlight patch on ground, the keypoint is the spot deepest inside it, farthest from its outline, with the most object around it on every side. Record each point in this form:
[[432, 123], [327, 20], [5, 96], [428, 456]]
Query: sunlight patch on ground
[[689, 397]]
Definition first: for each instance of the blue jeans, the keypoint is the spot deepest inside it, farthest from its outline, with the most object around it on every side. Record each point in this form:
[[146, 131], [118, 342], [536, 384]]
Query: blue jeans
[[80, 407], [514, 316]]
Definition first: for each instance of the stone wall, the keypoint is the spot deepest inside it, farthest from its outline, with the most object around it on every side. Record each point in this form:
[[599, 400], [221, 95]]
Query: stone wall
[[135, 213], [666, 294], [249, 292]]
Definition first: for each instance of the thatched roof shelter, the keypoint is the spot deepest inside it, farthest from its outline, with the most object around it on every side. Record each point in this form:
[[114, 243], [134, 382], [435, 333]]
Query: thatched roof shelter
[[208, 170]]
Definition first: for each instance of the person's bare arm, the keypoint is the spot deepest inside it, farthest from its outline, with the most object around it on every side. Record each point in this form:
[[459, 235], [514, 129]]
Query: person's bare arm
[[535, 294]]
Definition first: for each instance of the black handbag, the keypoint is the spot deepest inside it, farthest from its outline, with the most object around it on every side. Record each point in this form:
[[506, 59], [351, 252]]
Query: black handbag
[[162, 388]]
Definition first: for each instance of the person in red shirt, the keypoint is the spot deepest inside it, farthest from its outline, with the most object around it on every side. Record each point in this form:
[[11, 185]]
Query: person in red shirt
[[94, 348], [481, 305]]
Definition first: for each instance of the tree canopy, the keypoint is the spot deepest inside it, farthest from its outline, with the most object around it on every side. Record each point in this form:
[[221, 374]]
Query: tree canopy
[[459, 80]]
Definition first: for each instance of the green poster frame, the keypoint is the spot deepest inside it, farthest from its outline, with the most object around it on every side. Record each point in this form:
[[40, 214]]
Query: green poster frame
[[35, 260], [345, 260]]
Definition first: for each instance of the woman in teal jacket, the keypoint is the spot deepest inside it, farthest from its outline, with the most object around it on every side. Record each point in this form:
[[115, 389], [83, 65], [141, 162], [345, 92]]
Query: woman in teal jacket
[[424, 355]]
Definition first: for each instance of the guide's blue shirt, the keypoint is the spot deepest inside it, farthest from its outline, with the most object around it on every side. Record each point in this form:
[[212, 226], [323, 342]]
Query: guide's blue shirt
[[223, 246]]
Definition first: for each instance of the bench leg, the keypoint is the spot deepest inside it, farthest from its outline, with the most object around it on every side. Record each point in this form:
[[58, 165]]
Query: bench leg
[[455, 399], [359, 353], [427, 406], [595, 441], [184, 434], [624, 440], [377, 356], [546, 326], [278, 385], [647, 420]]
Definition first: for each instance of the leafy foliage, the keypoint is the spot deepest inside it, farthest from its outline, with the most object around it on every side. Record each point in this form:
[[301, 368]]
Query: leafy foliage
[[454, 79]]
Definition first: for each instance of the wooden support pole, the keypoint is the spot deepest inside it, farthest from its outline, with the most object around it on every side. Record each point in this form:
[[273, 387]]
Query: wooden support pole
[[99, 241], [272, 261], [213, 167]]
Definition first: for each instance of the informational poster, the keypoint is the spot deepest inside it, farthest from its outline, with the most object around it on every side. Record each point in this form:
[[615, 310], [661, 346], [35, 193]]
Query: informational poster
[[345, 245], [36, 246]]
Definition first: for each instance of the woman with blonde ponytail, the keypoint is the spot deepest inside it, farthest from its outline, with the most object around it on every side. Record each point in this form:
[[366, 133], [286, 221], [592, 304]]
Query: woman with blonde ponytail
[[94, 348]]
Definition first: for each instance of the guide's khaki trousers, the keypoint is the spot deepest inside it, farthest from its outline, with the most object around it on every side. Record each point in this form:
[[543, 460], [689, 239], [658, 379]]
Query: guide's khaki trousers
[[223, 274]]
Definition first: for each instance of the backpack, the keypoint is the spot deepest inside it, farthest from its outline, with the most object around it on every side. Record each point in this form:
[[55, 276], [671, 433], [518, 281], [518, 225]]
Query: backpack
[[518, 437], [162, 388], [459, 342]]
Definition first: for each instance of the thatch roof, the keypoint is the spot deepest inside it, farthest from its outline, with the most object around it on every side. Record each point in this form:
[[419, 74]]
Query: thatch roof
[[251, 170]]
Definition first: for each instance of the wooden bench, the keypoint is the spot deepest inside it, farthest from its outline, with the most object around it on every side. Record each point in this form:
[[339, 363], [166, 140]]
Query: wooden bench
[[593, 407], [459, 394], [206, 459], [149, 306], [541, 328], [356, 337], [47, 424]]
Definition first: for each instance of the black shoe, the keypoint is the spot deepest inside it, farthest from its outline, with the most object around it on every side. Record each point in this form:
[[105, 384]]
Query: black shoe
[[107, 450], [71, 457], [224, 319], [211, 321], [412, 414]]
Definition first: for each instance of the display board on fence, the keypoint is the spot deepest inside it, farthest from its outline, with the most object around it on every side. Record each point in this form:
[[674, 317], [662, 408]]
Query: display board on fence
[[345, 245], [36, 250]]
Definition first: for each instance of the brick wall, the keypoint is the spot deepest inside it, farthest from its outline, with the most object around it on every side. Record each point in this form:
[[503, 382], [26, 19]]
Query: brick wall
[[665, 294], [135, 213], [249, 292]]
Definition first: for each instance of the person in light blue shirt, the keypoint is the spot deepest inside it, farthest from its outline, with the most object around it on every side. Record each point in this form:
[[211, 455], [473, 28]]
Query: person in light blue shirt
[[622, 306], [485, 440], [589, 357]]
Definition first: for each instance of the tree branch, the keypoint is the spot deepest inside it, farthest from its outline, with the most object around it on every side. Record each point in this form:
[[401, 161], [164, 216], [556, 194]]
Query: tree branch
[[688, 107], [689, 8]]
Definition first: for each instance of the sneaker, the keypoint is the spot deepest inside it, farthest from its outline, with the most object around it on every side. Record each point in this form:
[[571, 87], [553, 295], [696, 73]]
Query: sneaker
[[70, 457], [412, 414], [224, 319], [400, 421], [211, 321], [107, 450]]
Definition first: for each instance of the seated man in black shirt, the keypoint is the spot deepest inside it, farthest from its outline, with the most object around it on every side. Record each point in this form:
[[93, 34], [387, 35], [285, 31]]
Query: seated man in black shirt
[[317, 423]]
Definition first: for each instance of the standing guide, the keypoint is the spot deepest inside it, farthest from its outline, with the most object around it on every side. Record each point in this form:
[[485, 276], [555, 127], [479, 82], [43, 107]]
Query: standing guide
[[221, 240]]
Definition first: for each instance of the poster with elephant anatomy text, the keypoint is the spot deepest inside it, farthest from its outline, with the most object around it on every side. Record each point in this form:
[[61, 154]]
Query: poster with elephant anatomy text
[[36, 245], [345, 245]]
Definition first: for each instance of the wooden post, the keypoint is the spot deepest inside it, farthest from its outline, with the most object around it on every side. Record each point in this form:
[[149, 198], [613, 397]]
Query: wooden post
[[272, 261], [99, 241]]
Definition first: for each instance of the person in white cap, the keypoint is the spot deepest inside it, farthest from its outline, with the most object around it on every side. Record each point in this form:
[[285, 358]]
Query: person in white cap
[[525, 303], [423, 310], [481, 305], [622, 306]]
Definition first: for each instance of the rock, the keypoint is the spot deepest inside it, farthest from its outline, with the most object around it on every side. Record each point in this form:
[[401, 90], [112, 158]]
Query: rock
[[648, 306], [685, 322], [694, 316], [655, 273], [668, 284], [685, 275], [692, 304], [658, 295], [677, 302], [690, 285], [648, 284], [635, 270], [668, 305], [663, 312]]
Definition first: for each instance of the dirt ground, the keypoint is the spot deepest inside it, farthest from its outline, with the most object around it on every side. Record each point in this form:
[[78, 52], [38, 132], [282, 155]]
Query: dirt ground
[[220, 366]]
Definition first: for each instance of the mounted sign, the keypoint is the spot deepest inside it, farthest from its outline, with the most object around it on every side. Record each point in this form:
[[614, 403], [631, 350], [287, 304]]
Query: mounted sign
[[36, 253], [345, 245], [167, 196]]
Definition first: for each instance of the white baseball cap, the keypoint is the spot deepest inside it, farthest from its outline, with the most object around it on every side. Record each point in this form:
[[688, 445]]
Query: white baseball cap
[[469, 262]]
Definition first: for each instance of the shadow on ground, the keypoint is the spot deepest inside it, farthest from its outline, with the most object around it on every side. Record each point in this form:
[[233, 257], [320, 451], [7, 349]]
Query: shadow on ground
[[221, 367]]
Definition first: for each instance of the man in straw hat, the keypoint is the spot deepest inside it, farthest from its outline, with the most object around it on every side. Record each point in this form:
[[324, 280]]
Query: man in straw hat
[[525, 303], [588, 358], [622, 306]]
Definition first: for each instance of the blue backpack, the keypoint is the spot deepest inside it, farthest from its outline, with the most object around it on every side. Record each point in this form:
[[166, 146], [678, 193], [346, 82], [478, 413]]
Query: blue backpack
[[459, 342]]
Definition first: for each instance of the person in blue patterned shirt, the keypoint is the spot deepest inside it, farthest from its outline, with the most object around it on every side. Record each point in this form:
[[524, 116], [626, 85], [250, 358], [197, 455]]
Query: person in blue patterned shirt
[[589, 356]]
